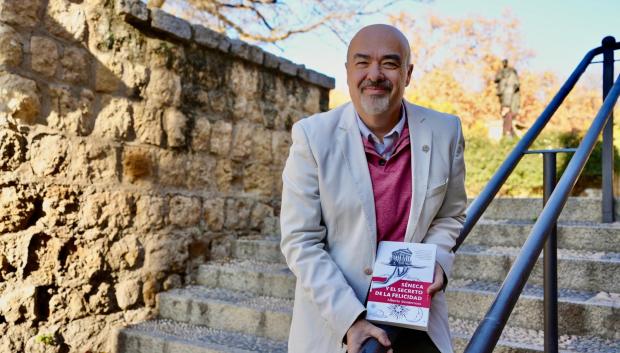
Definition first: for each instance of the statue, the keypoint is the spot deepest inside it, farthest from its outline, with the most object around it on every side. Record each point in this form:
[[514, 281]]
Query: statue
[[507, 82]]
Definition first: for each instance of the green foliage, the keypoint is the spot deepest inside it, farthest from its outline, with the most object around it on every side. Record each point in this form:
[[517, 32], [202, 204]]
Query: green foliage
[[46, 339], [484, 156]]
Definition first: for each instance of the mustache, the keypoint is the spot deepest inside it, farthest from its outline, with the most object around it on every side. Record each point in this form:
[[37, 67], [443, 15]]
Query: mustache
[[381, 84]]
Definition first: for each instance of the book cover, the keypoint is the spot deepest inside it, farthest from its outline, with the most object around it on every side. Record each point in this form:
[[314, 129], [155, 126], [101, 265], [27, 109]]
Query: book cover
[[398, 291]]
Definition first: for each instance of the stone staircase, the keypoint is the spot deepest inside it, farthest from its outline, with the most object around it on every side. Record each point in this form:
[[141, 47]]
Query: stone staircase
[[243, 303]]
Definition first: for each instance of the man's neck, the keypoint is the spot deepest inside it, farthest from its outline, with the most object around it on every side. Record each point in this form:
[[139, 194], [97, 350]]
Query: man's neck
[[381, 124]]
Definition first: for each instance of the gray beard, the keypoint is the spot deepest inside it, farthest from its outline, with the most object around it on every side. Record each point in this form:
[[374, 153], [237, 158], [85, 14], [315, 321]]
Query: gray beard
[[375, 105]]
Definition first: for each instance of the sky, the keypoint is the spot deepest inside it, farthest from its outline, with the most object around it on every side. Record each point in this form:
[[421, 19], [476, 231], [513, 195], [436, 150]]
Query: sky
[[559, 31]]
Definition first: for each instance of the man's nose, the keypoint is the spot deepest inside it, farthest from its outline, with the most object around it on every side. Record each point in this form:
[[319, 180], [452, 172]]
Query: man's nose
[[374, 72]]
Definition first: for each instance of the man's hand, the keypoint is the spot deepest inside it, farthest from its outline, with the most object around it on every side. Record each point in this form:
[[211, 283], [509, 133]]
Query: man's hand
[[437, 282], [360, 331]]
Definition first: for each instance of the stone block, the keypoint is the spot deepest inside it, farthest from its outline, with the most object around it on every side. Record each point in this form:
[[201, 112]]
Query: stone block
[[209, 38], [48, 155], [259, 179], [11, 44], [261, 215], [288, 67], [164, 88], [107, 210], [262, 145], [184, 211], [221, 137], [174, 26], [271, 61], [172, 168], [201, 135], [224, 175], [74, 65], [148, 123], [316, 78], [165, 252], [114, 120], [19, 97], [19, 304], [44, 55], [246, 51], [175, 126], [127, 293], [60, 207], [93, 162], [66, 19], [242, 141], [70, 113], [133, 10], [238, 213], [12, 150], [281, 144], [150, 212], [19, 12], [214, 213], [201, 172], [102, 301], [17, 206]]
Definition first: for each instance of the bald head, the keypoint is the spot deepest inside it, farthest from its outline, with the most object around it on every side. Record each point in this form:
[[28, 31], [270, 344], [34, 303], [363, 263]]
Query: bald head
[[378, 33], [378, 70]]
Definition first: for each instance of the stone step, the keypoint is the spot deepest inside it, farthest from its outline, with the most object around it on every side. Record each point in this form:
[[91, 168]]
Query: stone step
[[586, 209], [581, 270], [577, 269], [594, 310], [165, 336], [262, 248], [520, 340], [571, 235], [266, 279], [579, 312], [222, 309]]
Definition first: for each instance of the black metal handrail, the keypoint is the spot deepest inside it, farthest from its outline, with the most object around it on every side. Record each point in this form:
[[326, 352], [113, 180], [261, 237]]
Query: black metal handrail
[[490, 329], [488, 332]]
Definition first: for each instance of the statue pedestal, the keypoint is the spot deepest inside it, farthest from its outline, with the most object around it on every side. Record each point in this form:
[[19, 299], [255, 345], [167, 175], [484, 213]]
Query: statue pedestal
[[494, 129]]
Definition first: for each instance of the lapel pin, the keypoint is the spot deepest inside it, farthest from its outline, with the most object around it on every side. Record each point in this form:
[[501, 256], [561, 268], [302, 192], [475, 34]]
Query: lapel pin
[[425, 148]]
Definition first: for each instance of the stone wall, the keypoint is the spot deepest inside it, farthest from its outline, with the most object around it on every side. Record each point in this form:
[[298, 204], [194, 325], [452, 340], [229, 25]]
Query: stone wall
[[131, 143]]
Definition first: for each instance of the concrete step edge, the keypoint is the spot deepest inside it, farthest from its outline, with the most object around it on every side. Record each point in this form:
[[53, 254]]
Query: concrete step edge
[[165, 336], [530, 341]]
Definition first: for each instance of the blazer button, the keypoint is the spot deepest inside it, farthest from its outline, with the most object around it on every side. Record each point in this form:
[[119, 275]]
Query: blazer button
[[368, 271]]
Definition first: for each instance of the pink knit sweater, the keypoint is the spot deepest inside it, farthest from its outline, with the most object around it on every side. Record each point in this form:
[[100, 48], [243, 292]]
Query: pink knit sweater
[[391, 186]]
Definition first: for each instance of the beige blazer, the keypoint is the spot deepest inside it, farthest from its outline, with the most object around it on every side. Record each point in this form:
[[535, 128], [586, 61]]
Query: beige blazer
[[328, 219]]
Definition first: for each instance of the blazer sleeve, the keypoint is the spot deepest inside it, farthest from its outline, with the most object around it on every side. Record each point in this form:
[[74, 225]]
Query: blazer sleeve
[[448, 222], [303, 239]]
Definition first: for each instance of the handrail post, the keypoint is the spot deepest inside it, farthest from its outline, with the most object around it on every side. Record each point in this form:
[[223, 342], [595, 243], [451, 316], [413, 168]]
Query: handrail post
[[608, 44], [550, 269]]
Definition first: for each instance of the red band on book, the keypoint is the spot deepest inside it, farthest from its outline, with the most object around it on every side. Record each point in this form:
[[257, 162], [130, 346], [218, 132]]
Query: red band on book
[[402, 292]]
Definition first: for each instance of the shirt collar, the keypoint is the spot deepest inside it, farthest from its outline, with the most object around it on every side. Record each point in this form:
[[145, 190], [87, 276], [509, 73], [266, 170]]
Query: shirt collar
[[398, 129]]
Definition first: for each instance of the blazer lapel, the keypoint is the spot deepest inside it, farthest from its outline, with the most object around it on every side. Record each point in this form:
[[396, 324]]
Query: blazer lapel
[[421, 148], [351, 143]]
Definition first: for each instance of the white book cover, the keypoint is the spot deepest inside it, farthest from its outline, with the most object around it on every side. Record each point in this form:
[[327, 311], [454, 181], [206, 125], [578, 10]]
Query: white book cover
[[400, 280]]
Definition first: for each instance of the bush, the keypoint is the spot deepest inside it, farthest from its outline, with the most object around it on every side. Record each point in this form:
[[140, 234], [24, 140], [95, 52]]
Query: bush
[[484, 156]]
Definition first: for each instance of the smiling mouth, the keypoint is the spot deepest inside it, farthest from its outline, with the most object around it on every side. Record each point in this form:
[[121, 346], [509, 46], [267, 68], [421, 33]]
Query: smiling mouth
[[375, 90]]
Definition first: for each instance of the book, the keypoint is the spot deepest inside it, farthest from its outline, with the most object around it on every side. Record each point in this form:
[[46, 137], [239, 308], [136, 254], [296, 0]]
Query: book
[[398, 292]]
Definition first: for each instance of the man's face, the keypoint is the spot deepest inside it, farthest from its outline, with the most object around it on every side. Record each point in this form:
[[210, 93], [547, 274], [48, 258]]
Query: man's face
[[377, 70]]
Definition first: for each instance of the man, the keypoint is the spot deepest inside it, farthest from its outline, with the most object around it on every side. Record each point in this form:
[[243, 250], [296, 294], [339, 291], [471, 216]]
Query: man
[[507, 86], [377, 169]]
